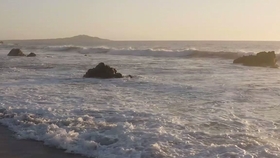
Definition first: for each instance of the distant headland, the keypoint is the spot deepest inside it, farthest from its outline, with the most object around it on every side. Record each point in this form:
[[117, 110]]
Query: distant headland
[[75, 40]]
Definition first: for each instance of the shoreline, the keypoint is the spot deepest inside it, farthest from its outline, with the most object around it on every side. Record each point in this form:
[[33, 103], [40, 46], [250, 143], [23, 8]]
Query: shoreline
[[10, 147]]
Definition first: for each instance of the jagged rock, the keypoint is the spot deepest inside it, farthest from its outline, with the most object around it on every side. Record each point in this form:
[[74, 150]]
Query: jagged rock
[[16, 52], [31, 55], [264, 59], [103, 71]]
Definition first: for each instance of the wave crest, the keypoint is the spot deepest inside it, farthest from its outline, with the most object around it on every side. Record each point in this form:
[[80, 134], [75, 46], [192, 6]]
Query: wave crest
[[70, 48], [152, 52], [189, 53]]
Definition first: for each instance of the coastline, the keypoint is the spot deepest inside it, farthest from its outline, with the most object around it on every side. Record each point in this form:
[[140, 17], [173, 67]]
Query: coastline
[[10, 147]]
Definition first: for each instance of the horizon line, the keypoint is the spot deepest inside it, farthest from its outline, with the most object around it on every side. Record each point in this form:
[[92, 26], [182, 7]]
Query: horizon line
[[147, 40]]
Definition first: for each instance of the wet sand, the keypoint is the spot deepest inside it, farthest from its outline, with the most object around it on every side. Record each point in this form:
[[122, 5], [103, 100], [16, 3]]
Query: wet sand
[[10, 147]]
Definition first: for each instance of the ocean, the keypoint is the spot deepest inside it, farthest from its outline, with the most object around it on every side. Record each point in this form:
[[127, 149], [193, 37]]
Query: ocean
[[186, 99]]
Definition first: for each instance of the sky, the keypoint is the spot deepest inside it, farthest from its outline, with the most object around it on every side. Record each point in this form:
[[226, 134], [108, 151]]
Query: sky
[[141, 19]]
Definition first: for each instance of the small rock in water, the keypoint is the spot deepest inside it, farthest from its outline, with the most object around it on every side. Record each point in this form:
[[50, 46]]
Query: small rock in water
[[105, 141], [16, 52], [31, 55], [2, 110], [103, 71]]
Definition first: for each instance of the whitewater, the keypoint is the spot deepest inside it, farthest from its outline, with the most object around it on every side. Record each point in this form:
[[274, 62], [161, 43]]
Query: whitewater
[[186, 99]]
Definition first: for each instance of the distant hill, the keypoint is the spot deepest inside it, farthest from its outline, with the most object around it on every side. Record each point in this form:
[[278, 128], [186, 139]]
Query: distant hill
[[76, 40]]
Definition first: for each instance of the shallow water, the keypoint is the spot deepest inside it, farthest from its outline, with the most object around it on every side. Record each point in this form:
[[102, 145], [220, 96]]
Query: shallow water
[[173, 107]]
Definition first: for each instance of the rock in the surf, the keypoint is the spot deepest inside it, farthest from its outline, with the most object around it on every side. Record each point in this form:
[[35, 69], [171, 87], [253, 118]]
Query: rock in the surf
[[16, 52], [2, 110], [264, 59], [31, 55], [105, 141], [103, 71]]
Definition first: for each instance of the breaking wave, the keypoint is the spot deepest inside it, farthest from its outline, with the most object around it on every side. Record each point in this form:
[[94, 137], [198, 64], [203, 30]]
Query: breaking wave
[[153, 52], [180, 53], [70, 48]]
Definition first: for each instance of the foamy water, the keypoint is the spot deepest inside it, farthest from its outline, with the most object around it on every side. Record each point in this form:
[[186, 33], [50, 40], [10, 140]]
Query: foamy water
[[179, 104]]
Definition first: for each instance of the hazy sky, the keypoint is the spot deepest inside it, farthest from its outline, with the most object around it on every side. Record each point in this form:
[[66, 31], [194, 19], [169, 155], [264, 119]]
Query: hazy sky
[[141, 19]]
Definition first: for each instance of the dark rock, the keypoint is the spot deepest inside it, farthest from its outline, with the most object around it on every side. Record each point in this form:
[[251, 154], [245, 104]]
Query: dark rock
[[264, 59], [2, 110], [16, 52], [1, 42], [105, 140], [103, 71], [118, 75], [31, 55]]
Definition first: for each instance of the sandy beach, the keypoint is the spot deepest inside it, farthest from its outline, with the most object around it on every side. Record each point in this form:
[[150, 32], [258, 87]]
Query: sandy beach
[[10, 147]]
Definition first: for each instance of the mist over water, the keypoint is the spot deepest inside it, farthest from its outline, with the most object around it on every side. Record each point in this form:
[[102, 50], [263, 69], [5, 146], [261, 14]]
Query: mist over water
[[186, 99]]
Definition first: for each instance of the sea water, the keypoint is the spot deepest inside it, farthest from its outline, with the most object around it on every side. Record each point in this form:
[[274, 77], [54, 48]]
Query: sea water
[[186, 99]]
